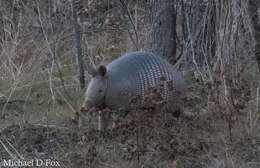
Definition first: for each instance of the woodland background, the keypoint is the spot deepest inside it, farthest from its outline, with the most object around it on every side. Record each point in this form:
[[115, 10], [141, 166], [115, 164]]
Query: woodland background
[[214, 43]]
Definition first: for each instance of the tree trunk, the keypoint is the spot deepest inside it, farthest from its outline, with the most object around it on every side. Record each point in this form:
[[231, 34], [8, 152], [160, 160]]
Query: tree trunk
[[162, 34], [198, 28], [78, 43], [199, 35], [253, 7]]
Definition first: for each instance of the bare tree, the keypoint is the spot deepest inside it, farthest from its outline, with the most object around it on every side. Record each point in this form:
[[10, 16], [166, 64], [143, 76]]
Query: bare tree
[[162, 35], [199, 33], [78, 43], [253, 8]]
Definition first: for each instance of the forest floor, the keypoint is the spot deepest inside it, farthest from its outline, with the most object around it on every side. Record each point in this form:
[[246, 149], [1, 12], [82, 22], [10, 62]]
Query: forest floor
[[37, 128], [40, 93]]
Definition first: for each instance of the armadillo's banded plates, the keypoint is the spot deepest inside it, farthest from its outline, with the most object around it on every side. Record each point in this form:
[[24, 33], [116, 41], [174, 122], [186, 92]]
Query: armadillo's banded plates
[[136, 72]]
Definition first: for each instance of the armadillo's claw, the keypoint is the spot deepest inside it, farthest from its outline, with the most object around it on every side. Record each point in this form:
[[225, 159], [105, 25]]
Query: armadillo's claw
[[83, 110], [75, 118]]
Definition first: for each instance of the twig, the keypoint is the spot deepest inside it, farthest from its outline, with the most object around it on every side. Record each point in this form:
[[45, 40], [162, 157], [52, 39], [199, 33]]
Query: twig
[[13, 148], [50, 50], [15, 101], [15, 155], [136, 43], [7, 150], [50, 126], [78, 45]]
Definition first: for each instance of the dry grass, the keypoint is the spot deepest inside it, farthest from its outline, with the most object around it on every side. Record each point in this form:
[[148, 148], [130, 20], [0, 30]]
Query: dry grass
[[37, 53]]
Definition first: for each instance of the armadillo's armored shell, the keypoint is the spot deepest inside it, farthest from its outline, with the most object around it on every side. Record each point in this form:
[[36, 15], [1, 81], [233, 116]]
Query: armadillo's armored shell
[[135, 72]]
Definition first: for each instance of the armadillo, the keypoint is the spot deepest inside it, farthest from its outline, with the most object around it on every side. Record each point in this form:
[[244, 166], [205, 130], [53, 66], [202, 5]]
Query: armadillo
[[132, 73]]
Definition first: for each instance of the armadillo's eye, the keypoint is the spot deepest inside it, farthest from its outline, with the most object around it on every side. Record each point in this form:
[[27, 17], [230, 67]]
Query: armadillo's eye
[[100, 91]]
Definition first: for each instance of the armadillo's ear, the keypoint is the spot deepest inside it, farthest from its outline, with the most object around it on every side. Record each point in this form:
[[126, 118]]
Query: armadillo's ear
[[92, 71], [102, 70]]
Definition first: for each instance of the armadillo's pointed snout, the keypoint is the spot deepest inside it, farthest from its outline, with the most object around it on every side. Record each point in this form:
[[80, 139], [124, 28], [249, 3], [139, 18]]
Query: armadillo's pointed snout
[[84, 108]]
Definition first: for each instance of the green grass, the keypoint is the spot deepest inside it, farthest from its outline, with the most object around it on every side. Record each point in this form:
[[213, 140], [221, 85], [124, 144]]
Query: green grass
[[252, 74], [31, 99], [199, 142]]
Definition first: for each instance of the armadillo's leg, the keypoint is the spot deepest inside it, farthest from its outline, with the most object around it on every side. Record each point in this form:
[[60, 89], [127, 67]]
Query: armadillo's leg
[[102, 122], [175, 105]]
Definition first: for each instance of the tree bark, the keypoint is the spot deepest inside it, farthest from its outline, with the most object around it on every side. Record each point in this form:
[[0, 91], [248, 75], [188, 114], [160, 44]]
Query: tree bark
[[199, 36], [198, 28], [253, 7], [162, 34]]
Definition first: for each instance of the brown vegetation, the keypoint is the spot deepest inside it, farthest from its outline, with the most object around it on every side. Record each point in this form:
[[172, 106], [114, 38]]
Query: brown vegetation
[[40, 93]]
